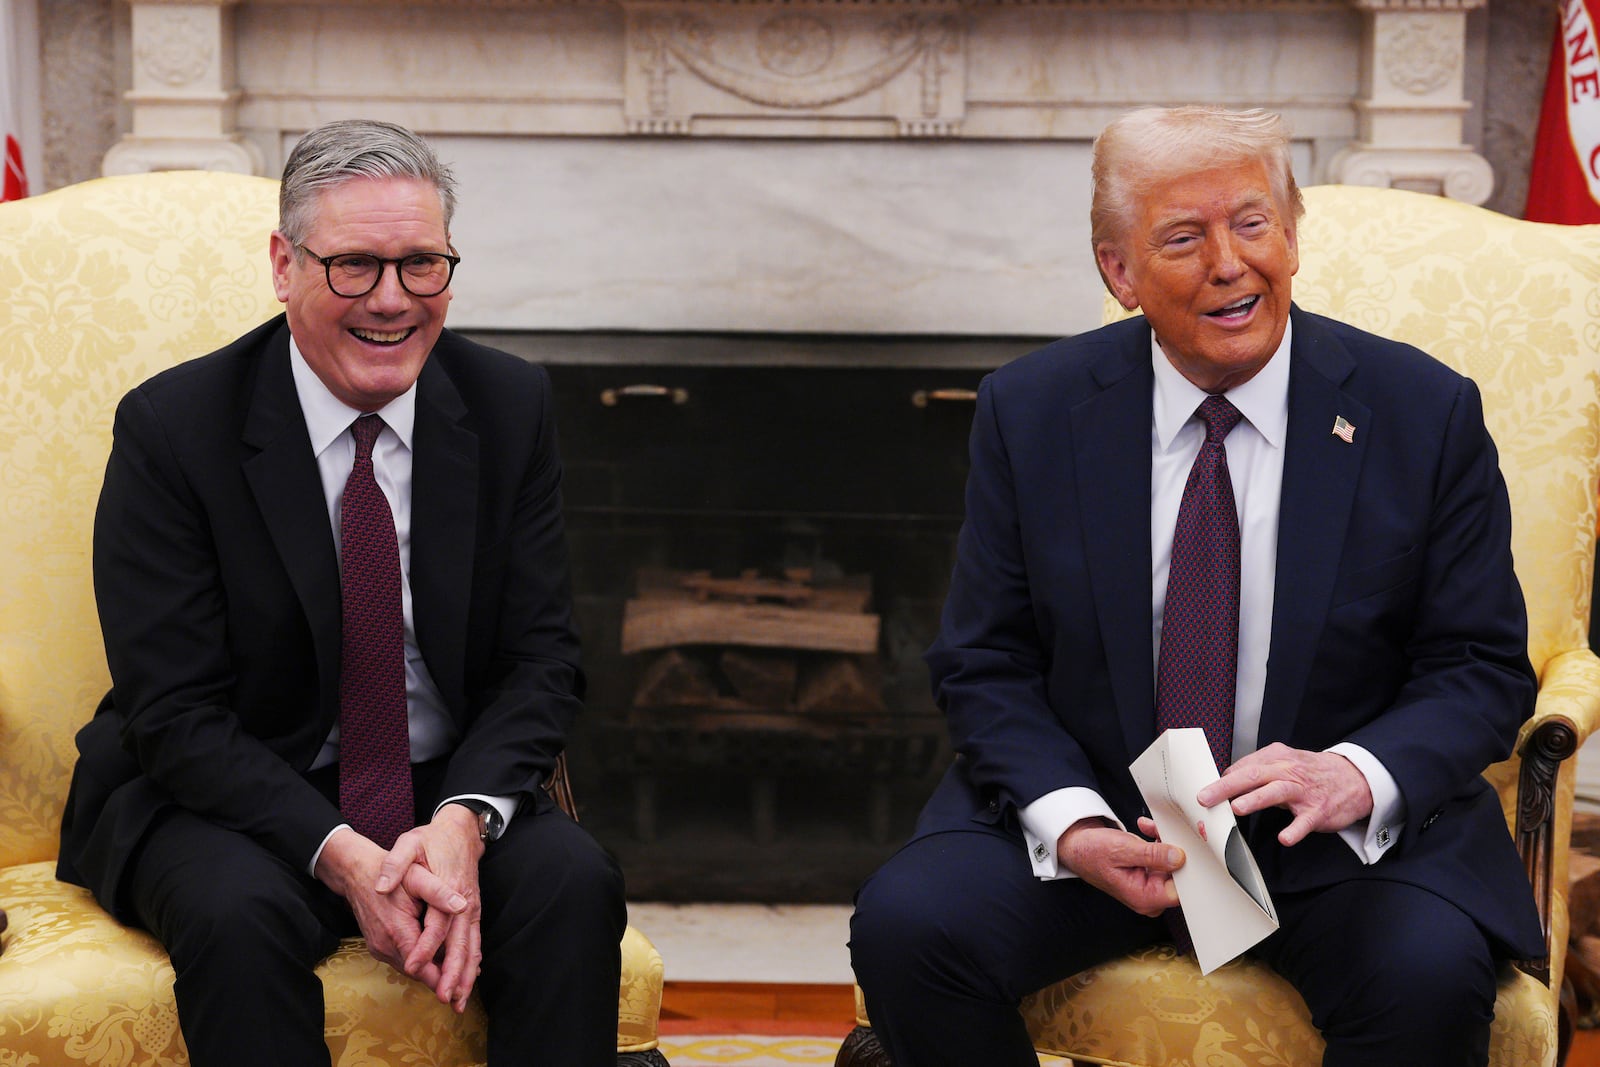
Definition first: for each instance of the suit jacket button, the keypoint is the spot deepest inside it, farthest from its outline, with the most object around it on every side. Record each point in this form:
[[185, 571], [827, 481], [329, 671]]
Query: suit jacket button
[[994, 805]]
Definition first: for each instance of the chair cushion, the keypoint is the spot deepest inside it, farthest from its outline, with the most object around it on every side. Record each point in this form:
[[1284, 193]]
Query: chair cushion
[[1150, 1008], [77, 987]]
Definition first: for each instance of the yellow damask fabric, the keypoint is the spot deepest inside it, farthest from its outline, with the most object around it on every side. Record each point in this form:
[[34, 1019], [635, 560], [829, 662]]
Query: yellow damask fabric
[[104, 284], [77, 988], [1154, 1008], [1516, 306]]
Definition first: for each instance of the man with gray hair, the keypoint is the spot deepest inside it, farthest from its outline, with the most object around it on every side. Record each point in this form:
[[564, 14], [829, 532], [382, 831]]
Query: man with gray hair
[[330, 568], [1152, 509]]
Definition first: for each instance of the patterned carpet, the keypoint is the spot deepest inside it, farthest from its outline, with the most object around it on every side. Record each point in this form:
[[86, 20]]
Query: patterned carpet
[[748, 1050]]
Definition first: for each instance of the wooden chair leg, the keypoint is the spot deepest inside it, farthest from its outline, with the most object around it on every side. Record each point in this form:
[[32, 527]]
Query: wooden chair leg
[[861, 1049]]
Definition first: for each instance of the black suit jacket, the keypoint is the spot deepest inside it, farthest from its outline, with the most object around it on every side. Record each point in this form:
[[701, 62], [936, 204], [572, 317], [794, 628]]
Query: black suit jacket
[[218, 592], [1397, 621]]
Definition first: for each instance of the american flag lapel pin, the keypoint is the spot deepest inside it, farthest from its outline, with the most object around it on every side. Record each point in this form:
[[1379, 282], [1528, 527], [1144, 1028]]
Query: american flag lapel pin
[[1343, 430]]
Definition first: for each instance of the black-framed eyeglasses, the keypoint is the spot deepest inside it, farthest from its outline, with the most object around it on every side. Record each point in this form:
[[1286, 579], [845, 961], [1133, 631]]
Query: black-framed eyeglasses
[[353, 274]]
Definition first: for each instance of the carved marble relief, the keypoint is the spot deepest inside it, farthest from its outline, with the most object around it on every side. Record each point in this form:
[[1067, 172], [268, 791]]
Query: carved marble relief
[[177, 49], [1410, 132], [787, 69], [1415, 58], [183, 97]]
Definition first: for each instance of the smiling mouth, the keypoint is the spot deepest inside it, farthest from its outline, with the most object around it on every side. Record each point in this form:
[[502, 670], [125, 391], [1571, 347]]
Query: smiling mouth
[[1237, 310], [382, 337]]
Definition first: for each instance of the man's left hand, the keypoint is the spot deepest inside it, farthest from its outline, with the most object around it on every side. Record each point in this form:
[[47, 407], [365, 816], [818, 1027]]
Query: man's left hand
[[449, 849], [1323, 790]]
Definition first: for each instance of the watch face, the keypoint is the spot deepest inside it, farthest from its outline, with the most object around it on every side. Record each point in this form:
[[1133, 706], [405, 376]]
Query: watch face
[[489, 823]]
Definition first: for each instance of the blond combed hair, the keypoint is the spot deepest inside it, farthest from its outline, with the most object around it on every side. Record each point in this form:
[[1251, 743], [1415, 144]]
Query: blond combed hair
[[1140, 150]]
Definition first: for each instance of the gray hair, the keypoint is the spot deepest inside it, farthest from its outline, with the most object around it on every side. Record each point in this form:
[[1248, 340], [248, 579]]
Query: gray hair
[[336, 152], [1142, 149]]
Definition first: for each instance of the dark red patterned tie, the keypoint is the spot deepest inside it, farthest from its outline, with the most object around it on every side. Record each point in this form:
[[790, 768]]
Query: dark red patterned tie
[[374, 738], [1200, 626]]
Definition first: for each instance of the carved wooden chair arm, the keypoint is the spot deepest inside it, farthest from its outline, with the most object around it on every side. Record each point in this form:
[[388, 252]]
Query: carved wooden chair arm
[[559, 786], [1567, 712]]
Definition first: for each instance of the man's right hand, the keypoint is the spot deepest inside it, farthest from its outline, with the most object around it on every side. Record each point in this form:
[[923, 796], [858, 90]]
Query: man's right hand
[[391, 922], [1126, 866]]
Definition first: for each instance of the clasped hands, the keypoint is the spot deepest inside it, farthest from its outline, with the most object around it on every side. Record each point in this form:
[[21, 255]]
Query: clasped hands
[[417, 904], [1322, 790]]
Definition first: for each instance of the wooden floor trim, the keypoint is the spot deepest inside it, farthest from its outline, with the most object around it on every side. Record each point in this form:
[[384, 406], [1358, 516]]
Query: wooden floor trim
[[830, 1007]]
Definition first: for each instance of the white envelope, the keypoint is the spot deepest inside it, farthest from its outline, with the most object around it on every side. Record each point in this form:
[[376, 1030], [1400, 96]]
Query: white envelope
[[1224, 899]]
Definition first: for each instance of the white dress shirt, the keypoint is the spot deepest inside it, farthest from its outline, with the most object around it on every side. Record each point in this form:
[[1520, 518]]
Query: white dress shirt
[[1255, 463], [433, 733]]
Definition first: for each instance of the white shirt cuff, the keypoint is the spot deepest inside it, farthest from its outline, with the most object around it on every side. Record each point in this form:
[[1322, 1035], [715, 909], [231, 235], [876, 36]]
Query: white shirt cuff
[[1371, 837], [1046, 819], [315, 856]]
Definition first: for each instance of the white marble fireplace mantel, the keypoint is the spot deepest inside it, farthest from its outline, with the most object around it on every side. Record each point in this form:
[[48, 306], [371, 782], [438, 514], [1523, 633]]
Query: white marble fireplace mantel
[[865, 166]]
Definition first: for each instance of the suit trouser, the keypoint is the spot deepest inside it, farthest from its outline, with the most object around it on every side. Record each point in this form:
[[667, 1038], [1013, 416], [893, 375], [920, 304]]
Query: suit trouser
[[955, 929], [245, 930]]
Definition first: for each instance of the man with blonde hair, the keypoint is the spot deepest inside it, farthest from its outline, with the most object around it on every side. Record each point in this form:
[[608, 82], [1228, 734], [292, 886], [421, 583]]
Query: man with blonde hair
[[1230, 514]]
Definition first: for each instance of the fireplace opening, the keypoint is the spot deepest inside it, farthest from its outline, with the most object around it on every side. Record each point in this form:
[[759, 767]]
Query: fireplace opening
[[761, 531]]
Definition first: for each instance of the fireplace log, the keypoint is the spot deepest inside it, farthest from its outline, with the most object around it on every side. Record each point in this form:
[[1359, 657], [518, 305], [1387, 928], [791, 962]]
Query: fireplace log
[[748, 588], [763, 678], [849, 593], [650, 623], [839, 683]]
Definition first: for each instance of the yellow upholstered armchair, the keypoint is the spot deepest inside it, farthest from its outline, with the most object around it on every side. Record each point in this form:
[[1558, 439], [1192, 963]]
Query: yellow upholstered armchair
[[101, 285], [1516, 306]]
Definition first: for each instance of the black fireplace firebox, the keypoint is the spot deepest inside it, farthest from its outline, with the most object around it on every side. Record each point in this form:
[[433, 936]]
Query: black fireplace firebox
[[762, 531]]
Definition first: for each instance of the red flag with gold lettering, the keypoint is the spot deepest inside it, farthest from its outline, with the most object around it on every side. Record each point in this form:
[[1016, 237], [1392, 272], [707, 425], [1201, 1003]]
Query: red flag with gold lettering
[[13, 179], [1564, 185]]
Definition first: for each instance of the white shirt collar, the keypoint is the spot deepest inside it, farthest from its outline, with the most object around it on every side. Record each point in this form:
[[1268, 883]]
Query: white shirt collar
[[1263, 400], [327, 416]]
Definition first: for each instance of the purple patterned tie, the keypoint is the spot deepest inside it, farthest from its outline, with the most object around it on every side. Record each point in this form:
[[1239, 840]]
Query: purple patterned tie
[[1200, 626], [374, 736]]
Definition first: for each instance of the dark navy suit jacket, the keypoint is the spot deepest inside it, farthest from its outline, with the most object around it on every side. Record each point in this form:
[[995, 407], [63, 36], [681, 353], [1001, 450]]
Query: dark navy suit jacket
[[1397, 621], [218, 591]]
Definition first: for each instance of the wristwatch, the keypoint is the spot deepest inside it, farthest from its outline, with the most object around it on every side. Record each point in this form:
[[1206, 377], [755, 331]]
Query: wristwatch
[[491, 824]]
